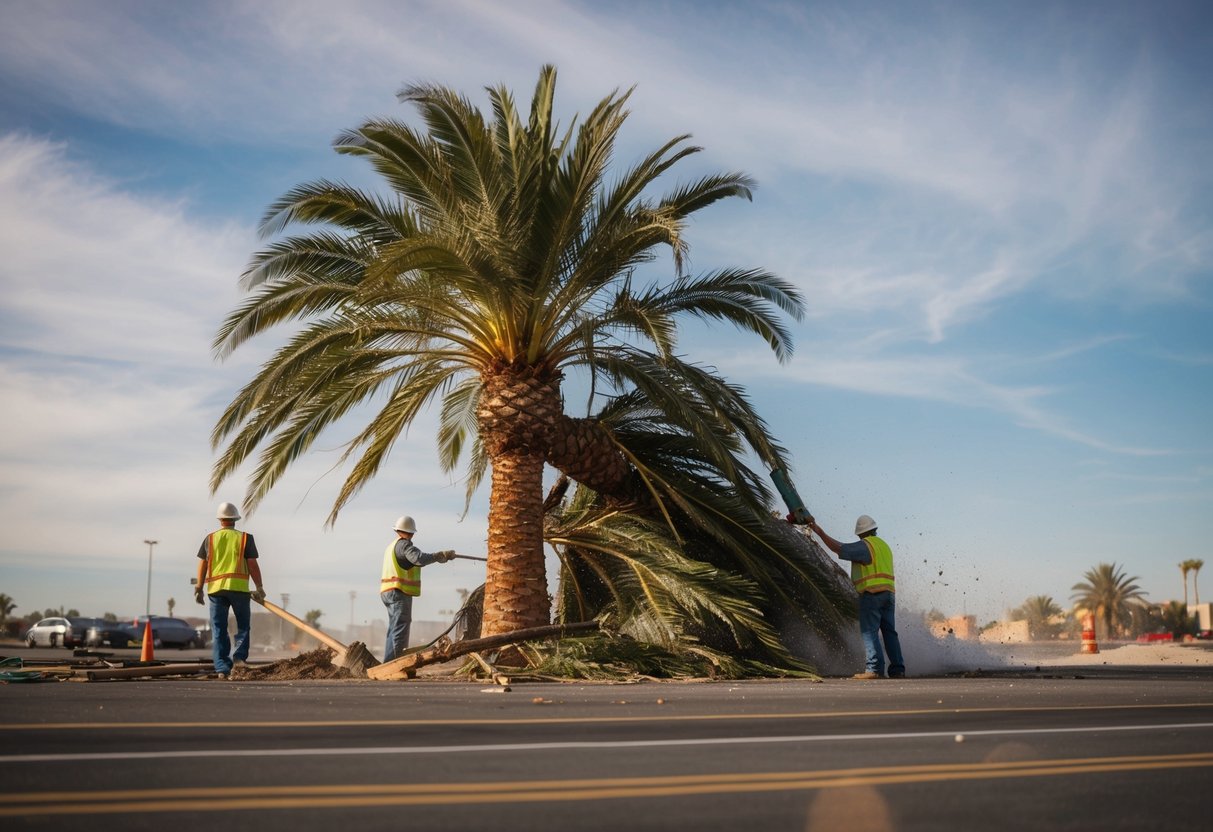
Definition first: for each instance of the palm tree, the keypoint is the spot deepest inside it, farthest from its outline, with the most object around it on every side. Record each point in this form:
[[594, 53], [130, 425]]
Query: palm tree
[[313, 617], [1107, 592], [6, 607], [1185, 567], [1038, 611], [503, 260], [1195, 565], [1177, 621]]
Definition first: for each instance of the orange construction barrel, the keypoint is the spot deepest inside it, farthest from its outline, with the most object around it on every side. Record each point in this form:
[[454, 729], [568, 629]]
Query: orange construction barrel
[[1089, 644]]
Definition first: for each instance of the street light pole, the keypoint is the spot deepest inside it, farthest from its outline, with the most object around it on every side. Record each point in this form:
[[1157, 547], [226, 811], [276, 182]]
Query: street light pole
[[150, 545]]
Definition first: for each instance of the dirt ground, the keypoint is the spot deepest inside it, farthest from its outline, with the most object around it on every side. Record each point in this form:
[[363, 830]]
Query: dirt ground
[[315, 664]]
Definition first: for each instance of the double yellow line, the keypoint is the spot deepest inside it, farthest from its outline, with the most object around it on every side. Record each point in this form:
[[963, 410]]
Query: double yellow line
[[131, 801]]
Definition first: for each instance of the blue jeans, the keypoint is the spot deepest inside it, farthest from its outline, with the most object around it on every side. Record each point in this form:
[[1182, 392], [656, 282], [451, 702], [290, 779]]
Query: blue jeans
[[876, 619], [237, 602], [399, 619]]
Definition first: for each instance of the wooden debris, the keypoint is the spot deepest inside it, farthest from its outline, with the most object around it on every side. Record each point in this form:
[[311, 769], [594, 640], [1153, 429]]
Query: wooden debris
[[140, 672], [498, 678], [406, 666], [356, 658]]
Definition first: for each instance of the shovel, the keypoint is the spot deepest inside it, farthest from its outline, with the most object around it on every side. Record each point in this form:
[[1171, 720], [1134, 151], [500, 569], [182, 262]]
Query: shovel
[[355, 658]]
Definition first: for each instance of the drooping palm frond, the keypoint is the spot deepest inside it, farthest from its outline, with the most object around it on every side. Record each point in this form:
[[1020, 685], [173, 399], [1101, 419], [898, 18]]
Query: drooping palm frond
[[699, 520]]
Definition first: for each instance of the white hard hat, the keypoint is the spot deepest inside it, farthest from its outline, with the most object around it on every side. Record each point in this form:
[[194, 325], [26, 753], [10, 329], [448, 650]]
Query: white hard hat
[[228, 511], [864, 524], [404, 523]]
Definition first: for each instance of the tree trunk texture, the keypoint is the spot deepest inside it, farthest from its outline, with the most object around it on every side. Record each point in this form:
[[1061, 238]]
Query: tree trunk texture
[[584, 451], [516, 414], [515, 583]]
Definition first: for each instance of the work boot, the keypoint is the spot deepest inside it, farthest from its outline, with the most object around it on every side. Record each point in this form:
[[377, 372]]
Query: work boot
[[241, 663], [867, 674], [222, 677]]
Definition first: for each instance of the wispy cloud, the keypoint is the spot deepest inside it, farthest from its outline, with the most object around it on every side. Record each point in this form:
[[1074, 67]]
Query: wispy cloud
[[948, 379]]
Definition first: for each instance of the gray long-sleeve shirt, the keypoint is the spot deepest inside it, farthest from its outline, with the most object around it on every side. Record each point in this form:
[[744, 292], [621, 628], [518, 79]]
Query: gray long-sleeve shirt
[[408, 555]]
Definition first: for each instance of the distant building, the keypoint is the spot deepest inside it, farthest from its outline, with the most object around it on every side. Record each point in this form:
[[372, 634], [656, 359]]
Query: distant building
[[1007, 632], [963, 627]]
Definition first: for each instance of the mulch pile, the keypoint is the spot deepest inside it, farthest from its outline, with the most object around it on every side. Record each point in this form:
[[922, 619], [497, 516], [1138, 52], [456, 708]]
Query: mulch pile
[[315, 664]]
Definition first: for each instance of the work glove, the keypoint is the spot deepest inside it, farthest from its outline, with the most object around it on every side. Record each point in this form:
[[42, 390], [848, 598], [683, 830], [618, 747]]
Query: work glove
[[445, 555], [258, 595], [198, 593]]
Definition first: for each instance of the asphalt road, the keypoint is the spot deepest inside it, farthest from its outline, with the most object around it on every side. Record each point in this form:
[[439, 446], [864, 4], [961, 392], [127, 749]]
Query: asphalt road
[[1118, 748]]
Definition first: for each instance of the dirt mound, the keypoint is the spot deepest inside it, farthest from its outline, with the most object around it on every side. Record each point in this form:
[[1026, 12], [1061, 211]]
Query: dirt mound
[[315, 664]]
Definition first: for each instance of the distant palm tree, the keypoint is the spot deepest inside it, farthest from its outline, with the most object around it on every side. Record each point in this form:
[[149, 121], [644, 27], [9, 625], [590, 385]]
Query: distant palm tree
[[1038, 611], [1107, 592], [172, 603], [504, 258], [1185, 567], [6, 607], [1195, 566], [313, 617], [1176, 620]]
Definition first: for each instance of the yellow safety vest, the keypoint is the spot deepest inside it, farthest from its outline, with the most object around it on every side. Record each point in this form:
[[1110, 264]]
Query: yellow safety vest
[[876, 575], [407, 581], [226, 567]]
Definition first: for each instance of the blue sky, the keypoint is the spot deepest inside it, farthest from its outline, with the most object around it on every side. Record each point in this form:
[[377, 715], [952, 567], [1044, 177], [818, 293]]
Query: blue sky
[[999, 215]]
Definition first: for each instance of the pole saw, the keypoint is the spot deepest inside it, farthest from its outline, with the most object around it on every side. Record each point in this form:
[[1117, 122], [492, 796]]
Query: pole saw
[[779, 475]]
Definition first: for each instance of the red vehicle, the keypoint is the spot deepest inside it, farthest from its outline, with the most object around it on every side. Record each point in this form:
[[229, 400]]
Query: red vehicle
[[1150, 638]]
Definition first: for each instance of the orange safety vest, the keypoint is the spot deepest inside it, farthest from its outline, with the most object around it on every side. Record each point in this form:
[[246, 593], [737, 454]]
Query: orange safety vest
[[877, 574], [407, 581], [226, 567]]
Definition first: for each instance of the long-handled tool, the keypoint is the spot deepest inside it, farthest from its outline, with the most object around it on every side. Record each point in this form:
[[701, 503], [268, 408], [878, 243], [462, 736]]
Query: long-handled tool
[[790, 496], [472, 557], [355, 658]]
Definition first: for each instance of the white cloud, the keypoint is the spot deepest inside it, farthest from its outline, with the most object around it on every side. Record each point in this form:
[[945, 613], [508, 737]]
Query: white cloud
[[94, 271]]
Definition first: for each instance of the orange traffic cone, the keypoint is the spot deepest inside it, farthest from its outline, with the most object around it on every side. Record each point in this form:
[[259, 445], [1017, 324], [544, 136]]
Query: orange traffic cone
[[146, 654], [1089, 644]]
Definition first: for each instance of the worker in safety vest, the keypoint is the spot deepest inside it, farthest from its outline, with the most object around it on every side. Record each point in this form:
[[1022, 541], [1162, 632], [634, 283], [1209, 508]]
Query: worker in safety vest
[[872, 574], [400, 582], [227, 559]]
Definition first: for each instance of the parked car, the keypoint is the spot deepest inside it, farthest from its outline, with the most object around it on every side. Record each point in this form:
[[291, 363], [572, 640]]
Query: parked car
[[58, 632], [112, 633], [169, 632]]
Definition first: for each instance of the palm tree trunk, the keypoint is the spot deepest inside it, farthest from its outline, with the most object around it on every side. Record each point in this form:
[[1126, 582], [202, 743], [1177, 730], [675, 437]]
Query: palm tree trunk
[[515, 583], [516, 413]]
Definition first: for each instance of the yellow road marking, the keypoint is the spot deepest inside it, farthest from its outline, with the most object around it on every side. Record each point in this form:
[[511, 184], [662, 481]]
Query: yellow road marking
[[412, 723], [201, 799]]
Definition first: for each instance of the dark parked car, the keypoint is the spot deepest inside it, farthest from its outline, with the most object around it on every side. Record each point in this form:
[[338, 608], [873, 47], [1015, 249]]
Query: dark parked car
[[112, 633], [169, 632]]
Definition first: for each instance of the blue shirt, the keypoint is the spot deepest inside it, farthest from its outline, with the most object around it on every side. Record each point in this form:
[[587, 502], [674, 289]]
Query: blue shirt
[[857, 552]]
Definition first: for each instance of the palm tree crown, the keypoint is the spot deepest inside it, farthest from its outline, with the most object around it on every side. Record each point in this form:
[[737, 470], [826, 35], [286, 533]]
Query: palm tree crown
[[1038, 611], [502, 260], [1108, 592]]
